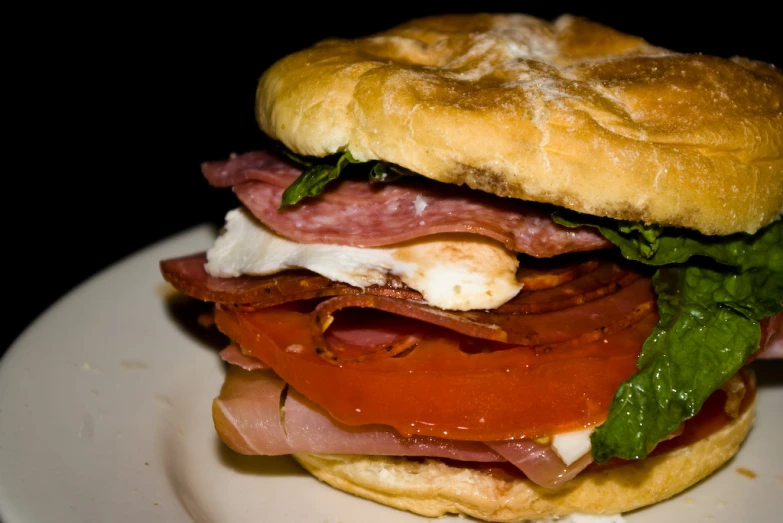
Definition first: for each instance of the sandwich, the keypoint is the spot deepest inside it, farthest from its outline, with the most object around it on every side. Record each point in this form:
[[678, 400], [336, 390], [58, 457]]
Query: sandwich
[[500, 266]]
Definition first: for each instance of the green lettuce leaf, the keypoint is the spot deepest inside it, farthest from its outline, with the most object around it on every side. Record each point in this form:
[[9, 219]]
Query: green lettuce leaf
[[709, 324], [655, 245], [698, 344]]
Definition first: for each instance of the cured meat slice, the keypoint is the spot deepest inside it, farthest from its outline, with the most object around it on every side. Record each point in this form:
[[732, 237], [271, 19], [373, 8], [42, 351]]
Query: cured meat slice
[[248, 417], [361, 214], [581, 324], [772, 338], [254, 165], [187, 274], [534, 279], [601, 279], [247, 413], [623, 297], [310, 429], [307, 428], [256, 292], [539, 462], [233, 355], [281, 338]]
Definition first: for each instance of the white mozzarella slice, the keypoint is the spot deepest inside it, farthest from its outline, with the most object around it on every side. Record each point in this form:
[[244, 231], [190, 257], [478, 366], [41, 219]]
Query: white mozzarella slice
[[454, 272]]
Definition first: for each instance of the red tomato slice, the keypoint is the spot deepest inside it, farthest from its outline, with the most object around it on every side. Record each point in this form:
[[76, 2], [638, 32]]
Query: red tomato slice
[[449, 385]]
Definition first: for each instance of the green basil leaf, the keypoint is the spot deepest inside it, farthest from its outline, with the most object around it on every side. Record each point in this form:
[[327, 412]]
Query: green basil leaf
[[314, 179], [307, 161], [383, 172]]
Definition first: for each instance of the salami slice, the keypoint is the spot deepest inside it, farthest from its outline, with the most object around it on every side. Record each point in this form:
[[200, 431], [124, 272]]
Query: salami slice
[[361, 214]]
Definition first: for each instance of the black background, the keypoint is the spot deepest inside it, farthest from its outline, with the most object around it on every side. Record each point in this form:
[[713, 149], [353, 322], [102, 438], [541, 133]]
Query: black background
[[111, 120]]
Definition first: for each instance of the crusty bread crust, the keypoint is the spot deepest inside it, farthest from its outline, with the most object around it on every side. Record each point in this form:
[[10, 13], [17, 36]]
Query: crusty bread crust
[[432, 488], [571, 113]]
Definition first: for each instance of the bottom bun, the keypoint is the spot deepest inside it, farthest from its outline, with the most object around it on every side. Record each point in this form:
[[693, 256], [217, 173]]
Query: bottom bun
[[434, 488]]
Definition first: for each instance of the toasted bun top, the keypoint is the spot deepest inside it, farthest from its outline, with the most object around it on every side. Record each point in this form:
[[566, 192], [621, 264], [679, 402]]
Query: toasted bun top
[[571, 113]]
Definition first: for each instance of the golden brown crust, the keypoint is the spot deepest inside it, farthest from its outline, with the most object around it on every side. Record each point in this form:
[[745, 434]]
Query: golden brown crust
[[432, 488], [570, 112]]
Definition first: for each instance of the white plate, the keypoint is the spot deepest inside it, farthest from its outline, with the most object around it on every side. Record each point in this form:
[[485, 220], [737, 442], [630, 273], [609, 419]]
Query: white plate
[[105, 416]]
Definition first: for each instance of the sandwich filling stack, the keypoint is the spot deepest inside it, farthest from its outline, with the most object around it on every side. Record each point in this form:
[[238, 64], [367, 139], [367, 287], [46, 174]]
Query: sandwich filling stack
[[500, 266]]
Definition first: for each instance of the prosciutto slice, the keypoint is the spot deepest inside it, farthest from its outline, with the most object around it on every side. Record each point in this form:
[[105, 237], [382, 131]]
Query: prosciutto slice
[[233, 355], [247, 415], [361, 214], [257, 414], [772, 340], [305, 427], [539, 462]]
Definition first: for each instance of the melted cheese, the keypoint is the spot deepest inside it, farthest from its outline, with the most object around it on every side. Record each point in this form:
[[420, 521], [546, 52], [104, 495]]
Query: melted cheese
[[455, 272]]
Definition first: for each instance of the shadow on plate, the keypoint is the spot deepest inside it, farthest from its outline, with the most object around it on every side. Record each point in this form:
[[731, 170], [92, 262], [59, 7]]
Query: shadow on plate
[[189, 315], [769, 373], [258, 465]]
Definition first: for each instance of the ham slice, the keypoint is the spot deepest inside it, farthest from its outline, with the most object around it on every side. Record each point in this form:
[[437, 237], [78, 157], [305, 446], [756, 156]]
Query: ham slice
[[247, 417], [361, 214], [247, 413], [233, 355], [772, 338], [539, 462], [310, 429]]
